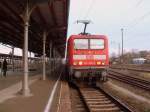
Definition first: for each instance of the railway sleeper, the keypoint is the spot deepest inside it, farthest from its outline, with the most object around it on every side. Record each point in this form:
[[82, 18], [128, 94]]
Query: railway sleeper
[[99, 102], [102, 105], [95, 96], [114, 109]]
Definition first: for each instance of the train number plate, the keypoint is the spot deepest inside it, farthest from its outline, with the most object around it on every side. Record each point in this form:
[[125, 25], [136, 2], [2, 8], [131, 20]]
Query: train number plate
[[89, 57]]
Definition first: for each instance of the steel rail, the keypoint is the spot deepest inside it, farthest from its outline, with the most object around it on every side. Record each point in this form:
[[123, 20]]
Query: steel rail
[[133, 69], [96, 99], [146, 82], [130, 80]]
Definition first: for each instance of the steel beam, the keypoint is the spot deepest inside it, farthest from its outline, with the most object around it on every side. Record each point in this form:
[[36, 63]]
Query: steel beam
[[41, 17], [9, 6], [51, 7], [65, 11], [8, 36]]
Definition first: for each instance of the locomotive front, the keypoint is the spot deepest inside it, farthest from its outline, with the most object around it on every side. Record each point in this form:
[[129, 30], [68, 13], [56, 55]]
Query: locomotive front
[[87, 55]]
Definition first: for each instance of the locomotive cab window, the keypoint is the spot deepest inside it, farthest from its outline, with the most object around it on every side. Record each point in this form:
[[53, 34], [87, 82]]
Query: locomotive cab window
[[96, 43], [81, 44]]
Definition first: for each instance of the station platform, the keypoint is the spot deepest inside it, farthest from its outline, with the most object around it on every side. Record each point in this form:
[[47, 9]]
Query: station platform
[[12, 101], [13, 77]]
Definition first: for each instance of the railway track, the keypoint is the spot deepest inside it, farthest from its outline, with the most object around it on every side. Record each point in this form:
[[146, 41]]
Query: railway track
[[95, 99], [77, 102], [133, 69], [144, 84]]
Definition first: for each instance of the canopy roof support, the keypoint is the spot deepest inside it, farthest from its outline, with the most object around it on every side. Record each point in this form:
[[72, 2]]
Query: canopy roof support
[[44, 55]]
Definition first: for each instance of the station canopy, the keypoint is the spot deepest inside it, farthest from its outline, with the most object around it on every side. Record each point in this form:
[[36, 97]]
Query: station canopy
[[46, 15]]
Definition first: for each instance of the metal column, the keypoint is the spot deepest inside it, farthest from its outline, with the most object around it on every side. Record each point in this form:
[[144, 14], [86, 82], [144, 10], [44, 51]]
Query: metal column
[[44, 66], [12, 58], [122, 31], [30, 58], [50, 55], [54, 58], [25, 86]]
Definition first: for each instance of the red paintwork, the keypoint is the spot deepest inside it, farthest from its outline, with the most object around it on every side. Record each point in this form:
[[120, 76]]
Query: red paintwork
[[89, 52]]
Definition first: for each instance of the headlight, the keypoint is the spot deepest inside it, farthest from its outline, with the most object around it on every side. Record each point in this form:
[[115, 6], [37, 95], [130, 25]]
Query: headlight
[[80, 62], [103, 63], [98, 62], [74, 63]]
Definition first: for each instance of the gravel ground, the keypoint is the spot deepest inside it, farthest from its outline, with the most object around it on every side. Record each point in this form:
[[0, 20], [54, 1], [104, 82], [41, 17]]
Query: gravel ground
[[135, 90], [141, 75], [130, 95]]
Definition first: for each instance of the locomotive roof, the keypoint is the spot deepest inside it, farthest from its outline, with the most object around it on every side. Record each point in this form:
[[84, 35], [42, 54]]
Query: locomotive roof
[[87, 36]]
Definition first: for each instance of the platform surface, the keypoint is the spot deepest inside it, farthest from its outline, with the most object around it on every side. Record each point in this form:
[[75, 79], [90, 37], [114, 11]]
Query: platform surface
[[12, 101]]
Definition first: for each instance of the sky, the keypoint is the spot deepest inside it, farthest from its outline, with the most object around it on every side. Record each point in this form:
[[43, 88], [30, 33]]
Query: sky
[[109, 16]]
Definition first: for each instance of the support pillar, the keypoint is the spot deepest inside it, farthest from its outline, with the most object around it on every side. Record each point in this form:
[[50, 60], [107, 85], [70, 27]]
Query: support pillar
[[12, 58], [122, 31], [25, 84], [21, 62], [54, 58], [44, 66], [30, 57], [50, 55]]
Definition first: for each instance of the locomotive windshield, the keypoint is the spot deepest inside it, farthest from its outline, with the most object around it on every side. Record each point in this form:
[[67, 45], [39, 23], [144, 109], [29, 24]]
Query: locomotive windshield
[[81, 44], [88, 44], [96, 44]]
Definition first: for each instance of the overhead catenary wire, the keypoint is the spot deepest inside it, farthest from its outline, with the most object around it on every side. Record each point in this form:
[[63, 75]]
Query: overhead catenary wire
[[89, 9], [138, 20], [133, 8], [86, 14], [135, 22], [138, 3]]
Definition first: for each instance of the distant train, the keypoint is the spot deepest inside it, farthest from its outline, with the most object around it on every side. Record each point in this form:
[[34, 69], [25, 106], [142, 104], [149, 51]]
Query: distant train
[[87, 56]]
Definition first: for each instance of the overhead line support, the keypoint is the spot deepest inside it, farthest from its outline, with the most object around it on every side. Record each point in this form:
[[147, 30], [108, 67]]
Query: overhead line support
[[122, 32]]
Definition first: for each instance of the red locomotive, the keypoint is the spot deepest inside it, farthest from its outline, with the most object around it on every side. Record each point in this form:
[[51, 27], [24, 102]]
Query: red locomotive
[[87, 55]]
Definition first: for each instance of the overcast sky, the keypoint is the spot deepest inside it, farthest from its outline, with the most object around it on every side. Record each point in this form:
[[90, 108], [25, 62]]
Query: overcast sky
[[109, 16]]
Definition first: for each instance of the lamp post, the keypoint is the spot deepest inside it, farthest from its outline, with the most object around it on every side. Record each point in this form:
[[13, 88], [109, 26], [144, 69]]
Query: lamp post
[[122, 34], [118, 47]]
